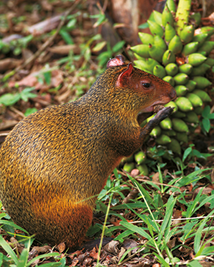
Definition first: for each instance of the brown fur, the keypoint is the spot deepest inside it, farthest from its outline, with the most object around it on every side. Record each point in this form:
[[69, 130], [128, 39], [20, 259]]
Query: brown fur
[[55, 162]]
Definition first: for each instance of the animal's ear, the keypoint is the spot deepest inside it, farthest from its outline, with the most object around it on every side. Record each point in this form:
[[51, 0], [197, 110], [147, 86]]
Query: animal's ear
[[117, 61], [122, 78]]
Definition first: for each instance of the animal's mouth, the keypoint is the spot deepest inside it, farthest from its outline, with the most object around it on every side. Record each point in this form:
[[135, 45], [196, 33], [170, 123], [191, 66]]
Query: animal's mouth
[[154, 108]]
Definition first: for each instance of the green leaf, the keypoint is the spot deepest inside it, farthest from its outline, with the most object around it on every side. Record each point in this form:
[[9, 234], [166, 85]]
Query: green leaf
[[8, 249], [143, 26], [191, 206], [135, 229], [198, 247], [23, 258], [165, 227], [186, 153], [26, 94], [118, 46], [194, 263], [99, 46], [161, 260], [101, 19], [47, 76], [53, 254], [1, 259], [9, 99], [11, 224], [206, 112], [71, 23], [66, 36], [30, 111], [206, 124]]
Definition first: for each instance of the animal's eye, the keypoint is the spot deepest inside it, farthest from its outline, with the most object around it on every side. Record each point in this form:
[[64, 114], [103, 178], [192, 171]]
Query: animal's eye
[[146, 85]]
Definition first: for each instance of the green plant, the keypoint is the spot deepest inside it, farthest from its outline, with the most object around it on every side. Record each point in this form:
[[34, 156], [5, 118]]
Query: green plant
[[206, 117], [10, 99], [156, 224]]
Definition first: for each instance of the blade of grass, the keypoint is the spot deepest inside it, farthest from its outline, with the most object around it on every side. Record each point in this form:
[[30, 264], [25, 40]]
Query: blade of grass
[[8, 249], [198, 235], [168, 216], [53, 254]]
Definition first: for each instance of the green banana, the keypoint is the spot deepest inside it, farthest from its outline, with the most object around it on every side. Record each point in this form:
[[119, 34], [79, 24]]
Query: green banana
[[201, 82], [167, 17], [142, 50], [168, 57], [169, 132], [146, 38], [155, 28], [194, 99], [200, 38], [128, 167], [156, 131], [159, 42], [203, 95], [169, 80], [187, 33], [159, 71], [182, 137], [171, 6], [143, 169], [207, 29], [157, 17], [175, 45], [181, 78], [146, 64], [183, 104], [179, 125], [190, 48], [156, 52], [200, 70], [207, 46], [181, 90], [185, 68], [195, 59], [140, 157], [178, 114], [163, 139], [195, 19], [171, 69], [191, 117], [166, 124], [172, 105], [191, 85], [169, 32], [209, 61], [174, 146]]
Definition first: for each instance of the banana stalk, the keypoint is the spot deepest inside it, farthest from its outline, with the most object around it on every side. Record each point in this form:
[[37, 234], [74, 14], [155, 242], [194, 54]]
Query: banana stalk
[[182, 15]]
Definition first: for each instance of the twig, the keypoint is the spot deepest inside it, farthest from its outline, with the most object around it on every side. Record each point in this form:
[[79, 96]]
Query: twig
[[47, 43]]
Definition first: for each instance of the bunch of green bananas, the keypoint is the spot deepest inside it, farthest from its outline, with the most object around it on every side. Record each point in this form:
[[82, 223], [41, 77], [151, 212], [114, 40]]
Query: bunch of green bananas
[[180, 57]]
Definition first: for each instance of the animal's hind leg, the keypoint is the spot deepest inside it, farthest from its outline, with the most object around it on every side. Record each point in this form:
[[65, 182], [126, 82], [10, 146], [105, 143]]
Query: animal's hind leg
[[63, 223]]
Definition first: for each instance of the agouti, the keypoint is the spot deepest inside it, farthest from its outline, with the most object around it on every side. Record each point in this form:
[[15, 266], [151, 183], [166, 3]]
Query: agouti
[[56, 161]]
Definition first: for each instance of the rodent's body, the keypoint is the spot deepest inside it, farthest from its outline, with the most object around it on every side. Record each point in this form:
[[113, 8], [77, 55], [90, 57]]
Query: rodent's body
[[56, 161]]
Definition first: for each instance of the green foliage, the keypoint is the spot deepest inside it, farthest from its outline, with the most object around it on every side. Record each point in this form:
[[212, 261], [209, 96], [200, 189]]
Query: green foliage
[[15, 45], [10, 99], [206, 117], [158, 228]]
